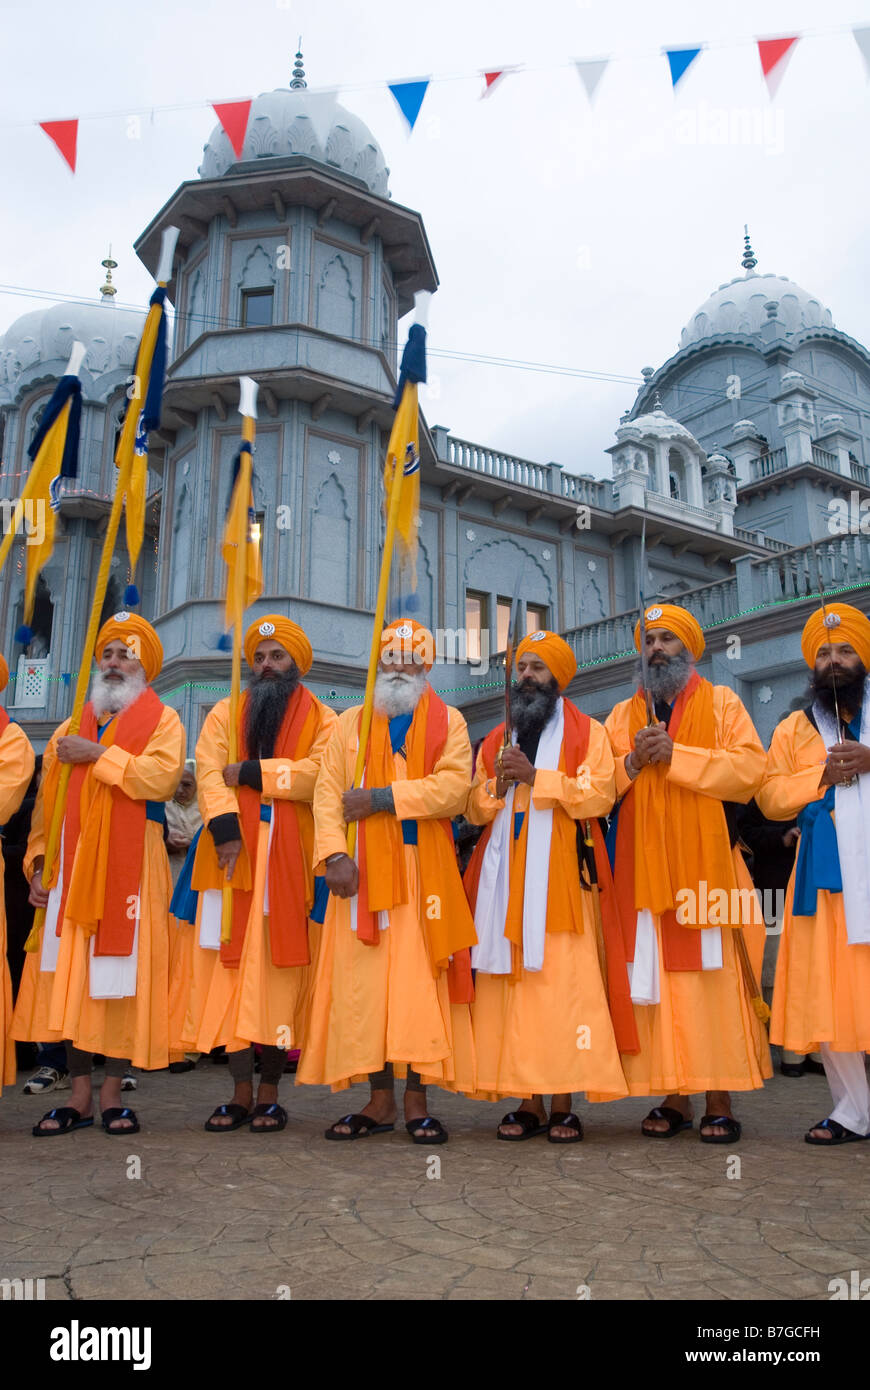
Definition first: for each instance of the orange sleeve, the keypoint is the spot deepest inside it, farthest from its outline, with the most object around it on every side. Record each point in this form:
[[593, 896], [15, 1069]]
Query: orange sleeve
[[37, 837], [17, 761], [617, 726], [731, 772], [333, 779], [154, 774], [480, 807], [585, 792], [212, 755], [794, 767], [285, 780], [445, 791]]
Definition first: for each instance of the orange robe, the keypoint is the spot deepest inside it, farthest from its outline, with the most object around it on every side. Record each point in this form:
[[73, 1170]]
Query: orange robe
[[703, 1035], [822, 988], [16, 769], [527, 1030], [56, 1005], [377, 1004], [255, 1002]]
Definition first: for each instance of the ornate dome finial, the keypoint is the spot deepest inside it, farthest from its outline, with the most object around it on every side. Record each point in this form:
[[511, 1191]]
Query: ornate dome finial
[[108, 290], [749, 261], [657, 404], [298, 79]]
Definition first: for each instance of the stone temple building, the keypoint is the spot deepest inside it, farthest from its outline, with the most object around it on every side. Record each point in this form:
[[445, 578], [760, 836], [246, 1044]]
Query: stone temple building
[[745, 457]]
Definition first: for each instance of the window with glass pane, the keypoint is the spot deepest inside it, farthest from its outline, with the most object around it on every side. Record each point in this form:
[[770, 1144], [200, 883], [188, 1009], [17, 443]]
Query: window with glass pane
[[536, 618], [476, 620], [257, 307], [503, 623]]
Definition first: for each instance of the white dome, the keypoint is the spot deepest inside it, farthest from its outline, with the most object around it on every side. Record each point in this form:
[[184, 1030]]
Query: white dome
[[110, 335], [299, 122], [739, 307], [655, 425]]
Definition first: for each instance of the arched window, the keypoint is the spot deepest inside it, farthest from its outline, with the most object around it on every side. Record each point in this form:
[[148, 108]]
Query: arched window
[[676, 475]]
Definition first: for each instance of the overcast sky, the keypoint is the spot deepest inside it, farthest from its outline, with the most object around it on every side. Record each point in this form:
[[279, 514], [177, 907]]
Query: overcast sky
[[576, 236]]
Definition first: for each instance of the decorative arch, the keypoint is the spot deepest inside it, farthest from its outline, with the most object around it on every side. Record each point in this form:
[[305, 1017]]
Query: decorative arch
[[336, 306], [497, 566], [329, 544], [258, 272], [196, 306], [178, 550]]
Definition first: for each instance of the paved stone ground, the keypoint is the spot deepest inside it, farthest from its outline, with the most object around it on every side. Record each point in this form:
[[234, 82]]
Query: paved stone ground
[[242, 1216]]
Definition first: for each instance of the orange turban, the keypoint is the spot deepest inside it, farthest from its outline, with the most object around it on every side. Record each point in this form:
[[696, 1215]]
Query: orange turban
[[554, 652], [286, 633], [4, 673], [843, 623], [139, 636], [406, 637], [671, 618]]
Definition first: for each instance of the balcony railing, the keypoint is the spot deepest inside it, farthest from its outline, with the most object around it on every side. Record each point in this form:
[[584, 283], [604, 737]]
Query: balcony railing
[[763, 467], [508, 468], [823, 458]]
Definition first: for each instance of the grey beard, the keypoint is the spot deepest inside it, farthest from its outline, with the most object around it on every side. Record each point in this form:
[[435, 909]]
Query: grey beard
[[398, 692], [532, 706], [265, 710], [110, 697], [667, 680]]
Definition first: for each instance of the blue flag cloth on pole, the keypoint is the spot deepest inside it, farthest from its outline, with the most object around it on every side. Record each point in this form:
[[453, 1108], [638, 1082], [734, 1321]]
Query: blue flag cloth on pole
[[680, 60], [409, 98]]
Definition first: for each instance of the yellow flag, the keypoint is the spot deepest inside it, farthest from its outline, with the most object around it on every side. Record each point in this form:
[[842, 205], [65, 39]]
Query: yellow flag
[[404, 450], [241, 545]]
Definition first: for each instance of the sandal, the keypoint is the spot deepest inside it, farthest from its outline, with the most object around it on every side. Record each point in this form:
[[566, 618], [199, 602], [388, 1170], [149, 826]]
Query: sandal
[[677, 1122], [839, 1134], [361, 1126], [569, 1120], [69, 1119], [435, 1131], [532, 1126], [237, 1113], [275, 1112], [108, 1118], [733, 1127]]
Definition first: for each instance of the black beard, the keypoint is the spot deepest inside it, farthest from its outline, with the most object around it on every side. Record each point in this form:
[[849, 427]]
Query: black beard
[[532, 705], [266, 707], [850, 691], [667, 678]]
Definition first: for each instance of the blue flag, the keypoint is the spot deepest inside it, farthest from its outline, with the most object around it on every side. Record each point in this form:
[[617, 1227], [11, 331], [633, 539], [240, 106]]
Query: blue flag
[[680, 60], [409, 98]]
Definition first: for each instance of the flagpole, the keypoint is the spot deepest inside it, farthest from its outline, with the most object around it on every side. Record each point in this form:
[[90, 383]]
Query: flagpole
[[124, 462], [375, 650], [73, 369], [248, 410], [422, 300]]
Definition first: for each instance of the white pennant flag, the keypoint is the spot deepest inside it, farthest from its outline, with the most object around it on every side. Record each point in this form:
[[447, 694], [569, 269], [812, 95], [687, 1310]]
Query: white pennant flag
[[862, 39], [591, 71]]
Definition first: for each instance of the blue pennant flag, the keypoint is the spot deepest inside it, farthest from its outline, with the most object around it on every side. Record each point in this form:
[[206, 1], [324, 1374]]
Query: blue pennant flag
[[409, 98], [680, 60]]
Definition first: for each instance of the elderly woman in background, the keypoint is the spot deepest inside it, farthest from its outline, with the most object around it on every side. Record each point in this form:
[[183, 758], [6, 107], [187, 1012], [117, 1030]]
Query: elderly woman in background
[[182, 819]]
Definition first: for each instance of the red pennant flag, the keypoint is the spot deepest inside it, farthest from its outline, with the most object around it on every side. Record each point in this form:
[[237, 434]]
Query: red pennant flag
[[64, 134], [773, 54], [233, 116], [491, 78]]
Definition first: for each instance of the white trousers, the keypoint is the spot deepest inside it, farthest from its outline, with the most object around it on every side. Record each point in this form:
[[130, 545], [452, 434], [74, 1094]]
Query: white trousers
[[850, 1090]]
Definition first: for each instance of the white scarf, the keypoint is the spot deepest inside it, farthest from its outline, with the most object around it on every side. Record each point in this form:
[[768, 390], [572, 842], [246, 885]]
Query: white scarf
[[109, 977], [852, 820], [492, 954]]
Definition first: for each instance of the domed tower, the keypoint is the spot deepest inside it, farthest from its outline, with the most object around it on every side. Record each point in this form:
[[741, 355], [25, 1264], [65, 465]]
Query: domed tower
[[293, 266], [763, 374], [34, 353]]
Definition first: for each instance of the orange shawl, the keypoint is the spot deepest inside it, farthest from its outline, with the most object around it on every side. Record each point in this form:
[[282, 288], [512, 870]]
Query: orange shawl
[[564, 906], [291, 877], [103, 826], [670, 837], [448, 921]]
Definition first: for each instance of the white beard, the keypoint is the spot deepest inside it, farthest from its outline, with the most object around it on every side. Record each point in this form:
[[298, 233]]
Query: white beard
[[398, 692], [110, 697]]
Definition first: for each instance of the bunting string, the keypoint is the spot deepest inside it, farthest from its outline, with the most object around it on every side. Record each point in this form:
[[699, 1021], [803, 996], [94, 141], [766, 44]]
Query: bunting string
[[774, 55]]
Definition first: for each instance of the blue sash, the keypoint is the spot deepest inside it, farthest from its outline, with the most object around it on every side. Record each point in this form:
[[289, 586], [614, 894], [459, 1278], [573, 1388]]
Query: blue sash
[[818, 861]]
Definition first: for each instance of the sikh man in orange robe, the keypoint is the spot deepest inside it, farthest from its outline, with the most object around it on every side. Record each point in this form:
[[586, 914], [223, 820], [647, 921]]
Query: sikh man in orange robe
[[819, 770], [99, 974], [259, 836], [17, 762], [393, 976], [684, 888], [541, 1016]]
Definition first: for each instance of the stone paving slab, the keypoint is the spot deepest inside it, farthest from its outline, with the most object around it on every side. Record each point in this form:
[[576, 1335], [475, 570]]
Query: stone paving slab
[[175, 1213]]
